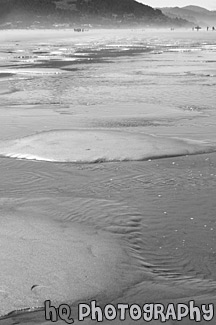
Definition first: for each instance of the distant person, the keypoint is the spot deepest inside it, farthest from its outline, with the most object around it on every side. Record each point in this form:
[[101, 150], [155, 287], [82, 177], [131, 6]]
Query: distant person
[[207, 28], [213, 28]]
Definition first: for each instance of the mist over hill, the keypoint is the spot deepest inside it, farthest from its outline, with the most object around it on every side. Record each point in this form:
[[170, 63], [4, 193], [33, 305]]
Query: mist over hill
[[197, 15], [67, 13]]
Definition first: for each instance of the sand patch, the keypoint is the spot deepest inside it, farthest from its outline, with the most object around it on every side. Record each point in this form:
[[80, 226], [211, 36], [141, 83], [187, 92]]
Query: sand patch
[[39, 259], [83, 145]]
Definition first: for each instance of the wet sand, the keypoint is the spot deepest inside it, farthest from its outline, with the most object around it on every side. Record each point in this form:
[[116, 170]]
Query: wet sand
[[92, 146], [79, 220], [130, 232]]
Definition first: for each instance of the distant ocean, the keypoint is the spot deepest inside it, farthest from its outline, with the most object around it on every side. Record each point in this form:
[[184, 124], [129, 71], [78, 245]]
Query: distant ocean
[[107, 169]]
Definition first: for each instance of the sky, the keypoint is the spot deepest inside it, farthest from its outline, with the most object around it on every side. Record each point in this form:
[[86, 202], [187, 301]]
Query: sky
[[208, 4]]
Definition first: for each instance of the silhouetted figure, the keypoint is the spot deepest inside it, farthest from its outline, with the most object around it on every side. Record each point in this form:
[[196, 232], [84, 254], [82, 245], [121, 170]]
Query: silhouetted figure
[[213, 28], [207, 28], [197, 28]]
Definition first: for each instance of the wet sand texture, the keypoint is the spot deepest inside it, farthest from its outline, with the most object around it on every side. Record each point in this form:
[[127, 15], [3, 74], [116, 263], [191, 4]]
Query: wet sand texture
[[99, 145], [40, 260]]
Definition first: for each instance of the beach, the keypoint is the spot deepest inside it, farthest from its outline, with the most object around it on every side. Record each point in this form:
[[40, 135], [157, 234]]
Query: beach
[[107, 169]]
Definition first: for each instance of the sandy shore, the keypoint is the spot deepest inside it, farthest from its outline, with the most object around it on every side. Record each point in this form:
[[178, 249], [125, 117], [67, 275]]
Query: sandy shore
[[35, 230], [130, 232], [41, 259], [90, 146]]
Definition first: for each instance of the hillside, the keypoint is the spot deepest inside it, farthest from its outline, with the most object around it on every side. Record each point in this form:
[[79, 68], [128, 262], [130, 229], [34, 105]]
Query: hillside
[[195, 14], [196, 9], [49, 13]]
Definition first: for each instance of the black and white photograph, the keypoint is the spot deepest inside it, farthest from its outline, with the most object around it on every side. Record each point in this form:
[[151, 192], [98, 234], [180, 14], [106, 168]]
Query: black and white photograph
[[107, 162]]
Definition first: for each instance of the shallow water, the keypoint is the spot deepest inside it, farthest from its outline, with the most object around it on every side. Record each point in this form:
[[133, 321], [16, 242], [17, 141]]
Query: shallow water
[[152, 222]]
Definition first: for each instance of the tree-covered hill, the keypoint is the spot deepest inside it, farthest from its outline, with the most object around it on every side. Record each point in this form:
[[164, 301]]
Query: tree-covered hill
[[197, 15], [24, 13]]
